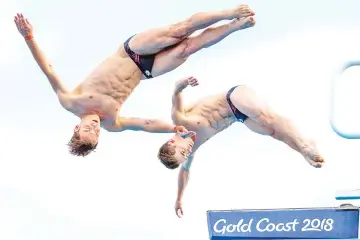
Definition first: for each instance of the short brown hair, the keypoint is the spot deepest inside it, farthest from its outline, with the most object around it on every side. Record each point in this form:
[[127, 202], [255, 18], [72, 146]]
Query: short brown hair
[[166, 156], [80, 147]]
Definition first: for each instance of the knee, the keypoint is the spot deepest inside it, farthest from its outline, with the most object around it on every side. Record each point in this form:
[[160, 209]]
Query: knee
[[186, 48], [274, 134], [267, 118], [179, 30]]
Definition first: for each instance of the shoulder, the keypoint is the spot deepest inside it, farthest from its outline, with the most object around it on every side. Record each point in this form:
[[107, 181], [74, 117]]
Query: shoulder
[[116, 125], [66, 100]]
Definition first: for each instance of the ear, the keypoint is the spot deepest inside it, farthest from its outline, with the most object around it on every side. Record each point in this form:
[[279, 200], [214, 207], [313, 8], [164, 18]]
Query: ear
[[171, 142], [77, 128]]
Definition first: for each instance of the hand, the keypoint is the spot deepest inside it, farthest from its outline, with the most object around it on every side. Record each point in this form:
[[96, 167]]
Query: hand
[[178, 209], [183, 83], [183, 132], [186, 134], [23, 25]]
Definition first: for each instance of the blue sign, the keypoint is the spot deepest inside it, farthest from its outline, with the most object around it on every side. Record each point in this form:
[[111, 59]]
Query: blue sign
[[328, 223]]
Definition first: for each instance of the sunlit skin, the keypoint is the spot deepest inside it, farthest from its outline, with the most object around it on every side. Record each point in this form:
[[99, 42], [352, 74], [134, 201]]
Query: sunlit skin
[[211, 115], [89, 128], [105, 90], [183, 147]]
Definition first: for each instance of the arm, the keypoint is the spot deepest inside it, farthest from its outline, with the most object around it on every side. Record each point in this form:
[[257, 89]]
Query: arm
[[146, 125], [45, 66], [26, 30], [183, 177], [177, 101]]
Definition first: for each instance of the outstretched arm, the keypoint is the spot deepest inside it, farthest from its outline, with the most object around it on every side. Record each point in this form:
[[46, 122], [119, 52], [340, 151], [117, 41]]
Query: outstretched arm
[[26, 30], [177, 100], [147, 125], [183, 179]]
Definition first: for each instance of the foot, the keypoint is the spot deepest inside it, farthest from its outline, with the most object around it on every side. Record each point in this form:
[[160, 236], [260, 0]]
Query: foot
[[242, 11], [313, 157], [243, 23], [316, 161]]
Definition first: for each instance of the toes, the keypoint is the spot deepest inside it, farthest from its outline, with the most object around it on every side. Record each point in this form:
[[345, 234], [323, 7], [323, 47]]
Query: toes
[[252, 21], [319, 159], [316, 164], [249, 22], [245, 11]]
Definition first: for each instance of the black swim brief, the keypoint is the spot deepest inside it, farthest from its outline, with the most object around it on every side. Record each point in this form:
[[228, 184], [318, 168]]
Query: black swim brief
[[144, 62], [239, 115]]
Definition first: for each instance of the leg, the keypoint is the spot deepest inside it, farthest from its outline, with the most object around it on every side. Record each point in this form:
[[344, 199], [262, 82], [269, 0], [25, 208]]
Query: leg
[[173, 57], [155, 40], [246, 101], [264, 130]]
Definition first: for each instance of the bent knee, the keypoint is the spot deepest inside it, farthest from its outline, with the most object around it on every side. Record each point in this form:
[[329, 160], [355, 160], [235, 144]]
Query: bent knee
[[186, 48], [266, 118], [179, 30], [276, 135]]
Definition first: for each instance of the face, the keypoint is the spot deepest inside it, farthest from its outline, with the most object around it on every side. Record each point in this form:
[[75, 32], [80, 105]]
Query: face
[[89, 130], [183, 148]]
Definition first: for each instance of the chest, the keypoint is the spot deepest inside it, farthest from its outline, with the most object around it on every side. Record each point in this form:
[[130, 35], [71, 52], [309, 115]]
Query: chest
[[104, 106]]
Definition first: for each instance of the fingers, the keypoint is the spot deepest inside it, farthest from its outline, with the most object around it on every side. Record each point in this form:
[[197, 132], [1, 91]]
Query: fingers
[[179, 212], [19, 19], [192, 81], [187, 134], [28, 22]]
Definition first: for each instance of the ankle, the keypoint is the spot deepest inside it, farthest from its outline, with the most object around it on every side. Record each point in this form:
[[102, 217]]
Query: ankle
[[228, 14]]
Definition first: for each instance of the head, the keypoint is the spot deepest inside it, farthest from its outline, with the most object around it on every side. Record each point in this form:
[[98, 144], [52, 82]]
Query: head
[[85, 137], [175, 151]]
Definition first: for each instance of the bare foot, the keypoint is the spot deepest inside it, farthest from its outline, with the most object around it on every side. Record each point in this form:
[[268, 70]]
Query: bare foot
[[242, 11], [312, 155], [243, 23], [316, 161]]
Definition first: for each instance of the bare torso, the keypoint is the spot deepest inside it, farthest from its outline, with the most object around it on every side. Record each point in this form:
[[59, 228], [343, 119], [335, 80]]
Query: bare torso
[[106, 88], [207, 117]]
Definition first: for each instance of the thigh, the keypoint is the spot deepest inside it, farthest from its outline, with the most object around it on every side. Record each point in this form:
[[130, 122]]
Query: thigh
[[154, 40], [169, 59], [248, 102], [258, 128]]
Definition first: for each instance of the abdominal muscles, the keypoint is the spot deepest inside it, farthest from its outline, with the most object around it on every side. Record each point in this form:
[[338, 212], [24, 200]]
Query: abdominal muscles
[[115, 77], [214, 116]]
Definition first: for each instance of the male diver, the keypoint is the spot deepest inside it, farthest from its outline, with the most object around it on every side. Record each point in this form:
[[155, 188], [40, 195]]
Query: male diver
[[98, 99], [211, 115]]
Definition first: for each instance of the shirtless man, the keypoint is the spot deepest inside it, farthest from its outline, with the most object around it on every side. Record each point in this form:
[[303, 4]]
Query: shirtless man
[[211, 115], [98, 99]]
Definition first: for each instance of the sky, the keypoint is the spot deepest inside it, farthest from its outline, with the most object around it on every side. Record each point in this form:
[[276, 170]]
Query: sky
[[292, 58]]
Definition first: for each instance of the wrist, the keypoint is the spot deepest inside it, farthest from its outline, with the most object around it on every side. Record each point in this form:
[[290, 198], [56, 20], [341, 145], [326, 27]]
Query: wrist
[[177, 128], [179, 88], [29, 37]]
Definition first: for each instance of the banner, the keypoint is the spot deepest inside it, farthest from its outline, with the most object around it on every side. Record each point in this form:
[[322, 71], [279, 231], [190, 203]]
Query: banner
[[328, 223]]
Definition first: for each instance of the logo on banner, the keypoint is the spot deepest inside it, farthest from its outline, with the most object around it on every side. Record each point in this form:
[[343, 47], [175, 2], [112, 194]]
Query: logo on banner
[[265, 225]]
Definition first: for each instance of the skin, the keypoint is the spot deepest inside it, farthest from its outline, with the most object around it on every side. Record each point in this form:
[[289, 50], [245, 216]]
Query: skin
[[97, 101], [211, 115]]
